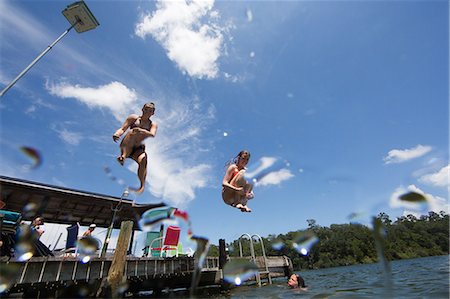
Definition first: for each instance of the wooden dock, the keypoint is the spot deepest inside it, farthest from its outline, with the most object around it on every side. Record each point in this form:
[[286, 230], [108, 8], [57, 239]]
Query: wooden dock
[[52, 276], [68, 277]]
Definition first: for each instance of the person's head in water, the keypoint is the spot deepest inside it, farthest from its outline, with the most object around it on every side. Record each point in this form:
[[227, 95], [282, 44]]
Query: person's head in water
[[296, 281], [148, 108], [242, 158]]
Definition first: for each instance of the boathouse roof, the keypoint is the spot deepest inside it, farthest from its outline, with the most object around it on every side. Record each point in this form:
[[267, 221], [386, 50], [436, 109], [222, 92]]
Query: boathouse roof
[[66, 206]]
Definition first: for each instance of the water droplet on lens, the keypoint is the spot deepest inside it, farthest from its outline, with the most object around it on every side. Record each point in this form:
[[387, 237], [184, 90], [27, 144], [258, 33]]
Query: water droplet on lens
[[29, 210], [413, 197], [153, 216], [23, 250], [238, 270], [8, 275], [278, 245], [33, 154], [87, 247], [304, 242]]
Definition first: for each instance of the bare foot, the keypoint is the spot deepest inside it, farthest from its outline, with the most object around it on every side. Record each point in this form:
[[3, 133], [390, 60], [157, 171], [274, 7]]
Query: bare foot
[[243, 208], [138, 191], [246, 209], [240, 207], [121, 160]]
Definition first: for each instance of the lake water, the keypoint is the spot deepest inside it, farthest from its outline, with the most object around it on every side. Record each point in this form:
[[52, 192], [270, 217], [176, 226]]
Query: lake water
[[415, 278]]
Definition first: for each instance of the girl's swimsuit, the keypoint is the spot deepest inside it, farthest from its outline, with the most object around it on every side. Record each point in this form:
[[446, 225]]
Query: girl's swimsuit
[[236, 171]]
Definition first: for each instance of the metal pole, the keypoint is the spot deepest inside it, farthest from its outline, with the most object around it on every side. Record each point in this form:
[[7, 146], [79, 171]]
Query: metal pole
[[109, 231], [35, 60], [110, 228]]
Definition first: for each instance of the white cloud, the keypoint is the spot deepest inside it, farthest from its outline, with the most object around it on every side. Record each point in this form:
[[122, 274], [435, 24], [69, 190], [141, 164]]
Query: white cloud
[[275, 177], [71, 138], [189, 32], [176, 166], [113, 96], [399, 156], [249, 15], [270, 171], [440, 178], [173, 169], [264, 163], [433, 203]]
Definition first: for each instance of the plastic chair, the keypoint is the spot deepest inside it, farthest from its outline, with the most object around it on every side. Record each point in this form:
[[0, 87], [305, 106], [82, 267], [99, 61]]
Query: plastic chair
[[170, 241], [9, 223], [150, 236]]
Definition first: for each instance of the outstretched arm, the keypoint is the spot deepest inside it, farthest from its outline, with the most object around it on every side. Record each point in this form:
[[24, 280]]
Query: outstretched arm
[[128, 122]]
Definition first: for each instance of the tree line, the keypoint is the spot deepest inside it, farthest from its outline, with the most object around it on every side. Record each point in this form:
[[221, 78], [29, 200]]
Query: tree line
[[353, 243]]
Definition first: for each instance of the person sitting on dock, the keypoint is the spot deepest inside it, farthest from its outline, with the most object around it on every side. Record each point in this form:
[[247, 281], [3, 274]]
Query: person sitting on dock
[[89, 230], [36, 226], [236, 191], [296, 281]]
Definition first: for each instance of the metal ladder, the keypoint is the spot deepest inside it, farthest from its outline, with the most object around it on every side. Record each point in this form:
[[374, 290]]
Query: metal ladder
[[252, 251]]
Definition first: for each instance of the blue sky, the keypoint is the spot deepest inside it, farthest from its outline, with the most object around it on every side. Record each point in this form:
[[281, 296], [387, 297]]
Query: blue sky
[[344, 105]]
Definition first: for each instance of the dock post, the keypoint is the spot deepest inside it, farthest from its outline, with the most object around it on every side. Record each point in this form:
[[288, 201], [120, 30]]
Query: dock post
[[116, 271], [223, 258], [222, 254]]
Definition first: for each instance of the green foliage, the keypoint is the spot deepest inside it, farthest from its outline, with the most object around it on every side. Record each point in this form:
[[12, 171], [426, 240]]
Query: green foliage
[[348, 244]]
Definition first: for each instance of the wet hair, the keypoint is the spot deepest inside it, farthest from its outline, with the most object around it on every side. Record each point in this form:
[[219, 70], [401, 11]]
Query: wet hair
[[301, 282], [149, 105], [236, 159], [240, 155]]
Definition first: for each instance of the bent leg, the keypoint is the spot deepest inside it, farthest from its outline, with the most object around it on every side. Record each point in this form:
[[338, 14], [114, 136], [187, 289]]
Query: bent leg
[[126, 147], [141, 159], [249, 190], [241, 200]]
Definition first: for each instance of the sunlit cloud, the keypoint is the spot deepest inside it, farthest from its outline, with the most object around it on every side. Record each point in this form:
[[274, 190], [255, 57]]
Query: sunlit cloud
[[399, 156], [275, 178], [249, 14], [439, 178], [190, 34], [269, 171], [177, 166], [113, 96], [72, 138], [434, 203], [264, 163], [174, 171]]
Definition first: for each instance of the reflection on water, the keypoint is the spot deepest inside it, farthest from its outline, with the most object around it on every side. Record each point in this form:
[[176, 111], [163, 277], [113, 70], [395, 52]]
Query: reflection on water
[[414, 278], [418, 278]]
